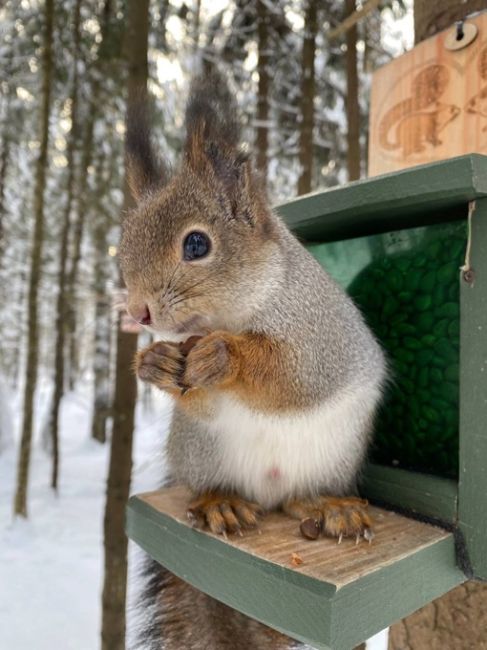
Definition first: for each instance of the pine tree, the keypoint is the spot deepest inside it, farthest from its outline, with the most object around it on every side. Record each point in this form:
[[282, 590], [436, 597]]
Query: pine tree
[[63, 254], [20, 504], [261, 125], [101, 224], [102, 70], [102, 326]]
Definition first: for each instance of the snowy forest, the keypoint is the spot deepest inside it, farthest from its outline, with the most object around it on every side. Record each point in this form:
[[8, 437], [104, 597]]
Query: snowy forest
[[76, 436]]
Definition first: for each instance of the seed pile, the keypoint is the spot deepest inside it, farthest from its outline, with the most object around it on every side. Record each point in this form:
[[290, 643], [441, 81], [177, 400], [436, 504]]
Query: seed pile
[[411, 301]]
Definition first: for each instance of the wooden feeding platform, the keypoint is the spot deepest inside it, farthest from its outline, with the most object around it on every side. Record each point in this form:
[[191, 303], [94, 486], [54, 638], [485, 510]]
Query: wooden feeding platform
[[410, 247], [307, 588]]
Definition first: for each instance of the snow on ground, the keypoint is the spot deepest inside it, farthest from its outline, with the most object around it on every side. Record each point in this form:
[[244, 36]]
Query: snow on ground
[[51, 565]]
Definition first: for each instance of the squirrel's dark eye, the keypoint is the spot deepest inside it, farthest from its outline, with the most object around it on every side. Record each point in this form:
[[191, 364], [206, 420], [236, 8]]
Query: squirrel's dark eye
[[196, 245]]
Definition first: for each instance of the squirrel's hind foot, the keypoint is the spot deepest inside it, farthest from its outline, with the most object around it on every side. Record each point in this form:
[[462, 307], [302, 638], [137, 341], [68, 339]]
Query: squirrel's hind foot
[[223, 513], [333, 517]]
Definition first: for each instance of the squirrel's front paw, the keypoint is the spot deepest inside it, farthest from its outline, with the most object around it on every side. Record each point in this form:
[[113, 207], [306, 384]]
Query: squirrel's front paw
[[212, 361], [333, 517], [223, 513], [161, 364]]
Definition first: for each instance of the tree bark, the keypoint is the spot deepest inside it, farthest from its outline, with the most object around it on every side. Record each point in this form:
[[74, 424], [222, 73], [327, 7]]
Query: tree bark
[[458, 620], [262, 129], [20, 503], [5, 147], [307, 97], [4, 156], [352, 103], [4, 159], [119, 473], [102, 334], [61, 310]]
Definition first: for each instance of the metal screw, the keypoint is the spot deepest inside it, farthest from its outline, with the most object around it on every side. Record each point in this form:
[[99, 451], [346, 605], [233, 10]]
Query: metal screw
[[460, 32]]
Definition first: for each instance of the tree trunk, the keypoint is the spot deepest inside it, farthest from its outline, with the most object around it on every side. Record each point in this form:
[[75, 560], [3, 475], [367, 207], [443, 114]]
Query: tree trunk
[[352, 103], [262, 129], [5, 147], [63, 257], [458, 620], [102, 332], [119, 473], [307, 97], [20, 503], [101, 362], [77, 238], [4, 158], [84, 195]]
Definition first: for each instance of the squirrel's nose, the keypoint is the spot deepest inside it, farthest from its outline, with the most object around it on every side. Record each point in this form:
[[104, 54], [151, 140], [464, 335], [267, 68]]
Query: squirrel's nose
[[141, 315]]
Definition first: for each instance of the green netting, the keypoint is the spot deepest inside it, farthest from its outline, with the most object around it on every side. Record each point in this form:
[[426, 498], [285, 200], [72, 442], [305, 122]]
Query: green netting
[[407, 285]]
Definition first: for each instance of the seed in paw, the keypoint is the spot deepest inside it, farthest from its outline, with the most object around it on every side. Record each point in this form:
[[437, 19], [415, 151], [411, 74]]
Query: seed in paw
[[187, 345]]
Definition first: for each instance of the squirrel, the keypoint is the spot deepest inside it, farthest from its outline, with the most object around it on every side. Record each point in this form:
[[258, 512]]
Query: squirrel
[[275, 376]]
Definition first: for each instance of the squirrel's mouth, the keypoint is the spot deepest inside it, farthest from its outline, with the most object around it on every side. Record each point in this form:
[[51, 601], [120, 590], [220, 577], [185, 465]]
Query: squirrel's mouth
[[172, 330]]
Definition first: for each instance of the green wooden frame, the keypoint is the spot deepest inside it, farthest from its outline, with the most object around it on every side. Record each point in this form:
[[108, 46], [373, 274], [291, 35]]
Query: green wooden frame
[[427, 495], [406, 199], [413, 197], [314, 611], [472, 489]]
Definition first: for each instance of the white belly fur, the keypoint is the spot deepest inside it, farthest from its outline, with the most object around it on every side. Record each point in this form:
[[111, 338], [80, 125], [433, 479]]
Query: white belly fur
[[269, 458]]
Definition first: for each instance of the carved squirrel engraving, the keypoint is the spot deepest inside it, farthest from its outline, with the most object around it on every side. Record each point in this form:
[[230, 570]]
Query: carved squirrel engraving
[[417, 121]]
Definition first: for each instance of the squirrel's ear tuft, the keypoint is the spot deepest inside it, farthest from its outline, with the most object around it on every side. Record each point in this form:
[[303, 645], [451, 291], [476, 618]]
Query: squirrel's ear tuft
[[145, 171], [213, 131]]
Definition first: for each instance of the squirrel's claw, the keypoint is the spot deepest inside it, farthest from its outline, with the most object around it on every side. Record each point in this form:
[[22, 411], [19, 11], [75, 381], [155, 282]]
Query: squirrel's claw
[[223, 514]]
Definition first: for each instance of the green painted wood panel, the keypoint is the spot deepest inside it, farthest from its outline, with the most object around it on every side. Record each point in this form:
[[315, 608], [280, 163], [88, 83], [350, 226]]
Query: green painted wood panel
[[422, 493], [412, 197], [357, 614], [309, 610], [473, 398]]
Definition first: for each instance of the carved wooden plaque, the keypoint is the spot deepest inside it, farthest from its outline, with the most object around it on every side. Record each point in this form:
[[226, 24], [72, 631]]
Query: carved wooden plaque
[[431, 103]]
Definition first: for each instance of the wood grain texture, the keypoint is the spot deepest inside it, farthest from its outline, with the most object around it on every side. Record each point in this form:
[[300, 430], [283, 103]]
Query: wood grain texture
[[473, 398], [337, 597], [278, 538], [426, 194], [430, 104]]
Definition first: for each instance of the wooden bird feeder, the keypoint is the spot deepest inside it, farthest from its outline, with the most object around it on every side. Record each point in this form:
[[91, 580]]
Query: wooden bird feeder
[[411, 248]]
